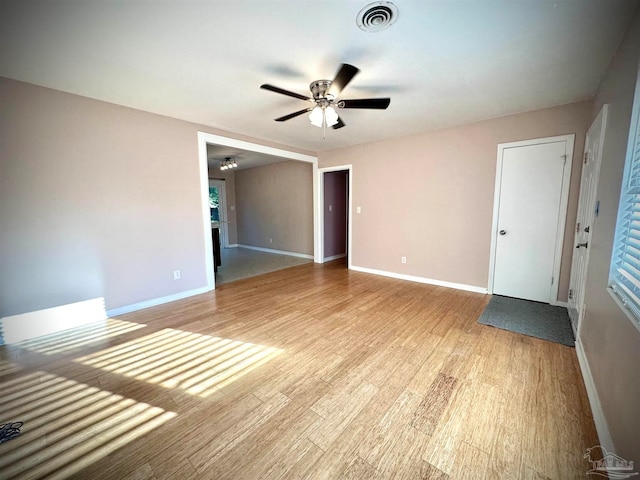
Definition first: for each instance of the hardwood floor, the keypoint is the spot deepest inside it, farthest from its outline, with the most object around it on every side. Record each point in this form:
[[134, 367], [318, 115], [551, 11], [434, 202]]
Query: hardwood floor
[[313, 372]]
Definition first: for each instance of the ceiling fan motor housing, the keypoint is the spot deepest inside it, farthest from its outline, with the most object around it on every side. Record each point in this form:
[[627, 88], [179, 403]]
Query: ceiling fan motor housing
[[320, 90]]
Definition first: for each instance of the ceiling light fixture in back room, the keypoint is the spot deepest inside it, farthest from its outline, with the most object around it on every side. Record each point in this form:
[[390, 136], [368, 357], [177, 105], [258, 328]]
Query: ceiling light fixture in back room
[[228, 163]]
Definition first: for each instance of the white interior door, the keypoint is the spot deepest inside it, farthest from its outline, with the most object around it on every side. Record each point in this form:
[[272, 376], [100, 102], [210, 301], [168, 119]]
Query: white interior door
[[586, 214], [531, 199]]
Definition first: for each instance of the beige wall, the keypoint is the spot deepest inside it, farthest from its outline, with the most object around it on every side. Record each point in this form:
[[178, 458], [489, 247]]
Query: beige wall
[[611, 342], [276, 202], [96, 200], [429, 197]]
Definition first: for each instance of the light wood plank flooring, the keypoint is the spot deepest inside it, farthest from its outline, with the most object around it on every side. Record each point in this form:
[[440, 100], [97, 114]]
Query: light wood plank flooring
[[312, 372]]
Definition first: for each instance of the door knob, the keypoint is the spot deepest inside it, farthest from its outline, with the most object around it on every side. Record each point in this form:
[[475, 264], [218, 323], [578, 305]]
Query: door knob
[[502, 232], [585, 245]]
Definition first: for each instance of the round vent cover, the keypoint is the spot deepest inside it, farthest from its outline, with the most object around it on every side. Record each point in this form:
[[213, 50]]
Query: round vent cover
[[377, 16]]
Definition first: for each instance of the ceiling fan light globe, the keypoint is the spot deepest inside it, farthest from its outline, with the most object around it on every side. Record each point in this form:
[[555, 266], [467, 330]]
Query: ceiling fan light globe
[[331, 116], [316, 117]]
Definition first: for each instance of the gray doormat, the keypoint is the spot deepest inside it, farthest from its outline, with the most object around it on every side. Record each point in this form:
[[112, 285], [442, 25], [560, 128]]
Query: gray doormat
[[535, 319]]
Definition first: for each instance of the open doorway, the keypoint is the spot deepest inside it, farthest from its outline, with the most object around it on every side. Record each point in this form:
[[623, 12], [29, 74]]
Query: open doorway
[[205, 140], [268, 216], [334, 188], [335, 214]]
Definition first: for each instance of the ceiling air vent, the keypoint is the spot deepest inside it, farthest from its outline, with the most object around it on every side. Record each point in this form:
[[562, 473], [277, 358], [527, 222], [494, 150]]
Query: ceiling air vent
[[377, 16]]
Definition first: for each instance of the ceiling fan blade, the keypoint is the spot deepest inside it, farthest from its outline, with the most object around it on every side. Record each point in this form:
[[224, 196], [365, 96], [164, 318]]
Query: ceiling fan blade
[[284, 92], [377, 103], [338, 125], [344, 76], [293, 115]]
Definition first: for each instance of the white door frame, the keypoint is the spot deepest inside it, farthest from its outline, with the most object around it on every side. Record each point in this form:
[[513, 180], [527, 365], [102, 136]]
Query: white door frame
[[203, 139], [320, 190], [562, 217]]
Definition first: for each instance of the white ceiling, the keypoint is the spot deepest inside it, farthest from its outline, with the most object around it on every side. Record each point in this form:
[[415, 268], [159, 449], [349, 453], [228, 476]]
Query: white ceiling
[[443, 63]]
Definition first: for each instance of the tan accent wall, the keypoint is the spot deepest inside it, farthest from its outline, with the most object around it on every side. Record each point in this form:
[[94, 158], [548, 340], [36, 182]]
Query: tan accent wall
[[429, 197], [96, 200], [275, 202], [610, 340]]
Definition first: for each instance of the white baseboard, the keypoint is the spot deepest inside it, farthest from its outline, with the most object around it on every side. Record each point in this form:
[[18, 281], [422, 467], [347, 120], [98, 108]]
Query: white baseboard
[[596, 408], [25, 326], [334, 257], [560, 304], [278, 252], [233, 245], [429, 281], [156, 301]]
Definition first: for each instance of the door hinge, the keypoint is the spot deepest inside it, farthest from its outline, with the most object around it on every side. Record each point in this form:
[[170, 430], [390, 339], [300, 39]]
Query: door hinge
[[570, 294], [552, 280], [578, 227], [586, 157]]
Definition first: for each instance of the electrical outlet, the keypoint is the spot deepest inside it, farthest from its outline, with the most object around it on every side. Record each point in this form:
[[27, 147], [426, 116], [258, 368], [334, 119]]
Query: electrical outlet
[[176, 274], [271, 240], [358, 209], [403, 260]]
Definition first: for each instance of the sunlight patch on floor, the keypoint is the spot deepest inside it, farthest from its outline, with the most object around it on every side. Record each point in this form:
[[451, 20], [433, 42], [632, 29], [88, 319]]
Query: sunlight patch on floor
[[198, 364], [67, 425], [7, 367], [71, 339]]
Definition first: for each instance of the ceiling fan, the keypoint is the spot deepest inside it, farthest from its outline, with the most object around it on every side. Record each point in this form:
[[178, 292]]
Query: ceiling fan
[[324, 100]]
